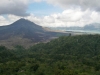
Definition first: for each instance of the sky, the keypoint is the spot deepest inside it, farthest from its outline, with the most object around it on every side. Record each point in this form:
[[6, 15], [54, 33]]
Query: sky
[[51, 13]]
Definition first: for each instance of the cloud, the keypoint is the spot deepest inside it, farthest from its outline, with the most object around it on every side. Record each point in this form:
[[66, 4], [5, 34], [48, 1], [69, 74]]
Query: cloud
[[36, 0], [13, 18], [8, 19], [83, 4], [15, 7], [3, 21], [67, 18]]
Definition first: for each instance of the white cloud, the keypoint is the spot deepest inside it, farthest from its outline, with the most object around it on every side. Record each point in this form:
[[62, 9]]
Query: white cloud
[[15, 7], [36, 0], [83, 4], [8, 19], [70, 17], [3, 21], [13, 18]]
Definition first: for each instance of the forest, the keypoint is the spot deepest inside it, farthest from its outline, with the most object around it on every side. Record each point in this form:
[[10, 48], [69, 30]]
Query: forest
[[66, 55]]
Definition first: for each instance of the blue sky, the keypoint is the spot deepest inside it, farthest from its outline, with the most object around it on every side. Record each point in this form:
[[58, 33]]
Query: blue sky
[[43, 8]]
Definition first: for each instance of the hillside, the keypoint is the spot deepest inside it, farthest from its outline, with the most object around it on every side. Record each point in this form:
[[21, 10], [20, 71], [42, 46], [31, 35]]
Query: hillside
[[25, 33], [72, 55]]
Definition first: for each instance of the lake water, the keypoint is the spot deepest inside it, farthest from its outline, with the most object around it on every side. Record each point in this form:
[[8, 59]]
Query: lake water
[[86, 31]]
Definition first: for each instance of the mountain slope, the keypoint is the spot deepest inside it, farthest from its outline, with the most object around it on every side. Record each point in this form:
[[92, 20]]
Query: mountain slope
[[25, 32], [20, 27]]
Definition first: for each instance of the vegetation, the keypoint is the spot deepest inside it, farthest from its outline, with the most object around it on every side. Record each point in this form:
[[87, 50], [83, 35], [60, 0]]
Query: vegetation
[[71, 55]]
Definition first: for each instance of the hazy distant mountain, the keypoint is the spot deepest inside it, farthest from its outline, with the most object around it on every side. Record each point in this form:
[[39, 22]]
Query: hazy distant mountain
[[93, 26], [90, 27], [26, 33]]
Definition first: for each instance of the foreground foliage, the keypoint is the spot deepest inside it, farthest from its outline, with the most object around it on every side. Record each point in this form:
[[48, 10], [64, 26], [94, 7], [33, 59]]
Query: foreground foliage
[[72, 55]]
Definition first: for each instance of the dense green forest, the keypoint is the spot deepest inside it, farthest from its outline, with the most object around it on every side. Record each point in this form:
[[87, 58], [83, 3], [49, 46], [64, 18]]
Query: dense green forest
[[66, 55]]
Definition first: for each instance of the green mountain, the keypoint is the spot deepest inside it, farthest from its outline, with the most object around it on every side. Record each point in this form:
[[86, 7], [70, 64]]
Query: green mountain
[[67, 55]]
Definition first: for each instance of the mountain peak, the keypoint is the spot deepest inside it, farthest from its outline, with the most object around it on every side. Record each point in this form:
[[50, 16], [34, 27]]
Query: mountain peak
[[23, 20]]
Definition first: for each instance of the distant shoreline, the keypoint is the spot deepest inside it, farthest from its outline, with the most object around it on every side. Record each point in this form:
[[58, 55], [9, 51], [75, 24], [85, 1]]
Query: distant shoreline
[[83, 31]]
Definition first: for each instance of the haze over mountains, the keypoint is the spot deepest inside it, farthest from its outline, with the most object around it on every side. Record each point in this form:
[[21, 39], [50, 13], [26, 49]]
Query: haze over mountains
[[94, 27], [26, 33]]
